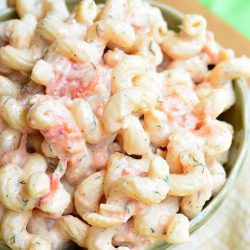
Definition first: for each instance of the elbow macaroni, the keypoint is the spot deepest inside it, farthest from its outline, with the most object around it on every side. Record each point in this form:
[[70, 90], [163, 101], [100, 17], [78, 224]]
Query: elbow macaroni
[[75, 229], [108, 124], [20, 192], [50, 29], [16, 59], [122, 79], [86, 12], [229, 70], [9, 140], [13, 228], [155, 185], [19, 33], [14, 114], [98, 35], [9, 88], [189, 42], [84, 200]]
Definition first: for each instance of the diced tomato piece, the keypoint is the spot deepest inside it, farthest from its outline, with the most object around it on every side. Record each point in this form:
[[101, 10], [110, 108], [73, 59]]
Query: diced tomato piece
[[82, 91]]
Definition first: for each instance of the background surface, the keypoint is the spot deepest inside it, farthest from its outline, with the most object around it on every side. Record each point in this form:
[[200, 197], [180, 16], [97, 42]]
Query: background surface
[[235, 12]]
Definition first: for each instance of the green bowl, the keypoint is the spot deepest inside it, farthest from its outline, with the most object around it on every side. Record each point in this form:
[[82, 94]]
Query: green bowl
[[237, 116]]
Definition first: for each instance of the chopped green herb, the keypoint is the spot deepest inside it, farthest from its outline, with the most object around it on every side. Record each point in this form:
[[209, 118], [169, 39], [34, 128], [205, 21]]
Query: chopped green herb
[[53, 165], [93, 65], [98, 177], [169, 74], [151, 48], [156, 192], [10, 97], [127, 207], [158, 126], [198, 195], [93, 125], [50, 148], [12, 240], [25, 202], [152, 230], [97, 30], [60, 167], [82, 157], [166, 179], [159, 99], [22, 182], [198, 164], [46, 51], [38, 243]]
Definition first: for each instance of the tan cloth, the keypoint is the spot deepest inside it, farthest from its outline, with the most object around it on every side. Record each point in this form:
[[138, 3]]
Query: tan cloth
[[229, 228]]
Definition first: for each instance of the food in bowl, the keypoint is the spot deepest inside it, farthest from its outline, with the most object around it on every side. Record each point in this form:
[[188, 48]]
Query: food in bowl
[[109, 129]]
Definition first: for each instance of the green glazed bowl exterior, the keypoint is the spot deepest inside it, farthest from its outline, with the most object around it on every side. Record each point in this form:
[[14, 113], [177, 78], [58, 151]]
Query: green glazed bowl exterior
[[238, 116]]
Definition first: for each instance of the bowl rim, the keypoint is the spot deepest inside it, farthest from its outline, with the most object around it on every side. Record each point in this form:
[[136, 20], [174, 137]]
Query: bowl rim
[[216, 201]]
